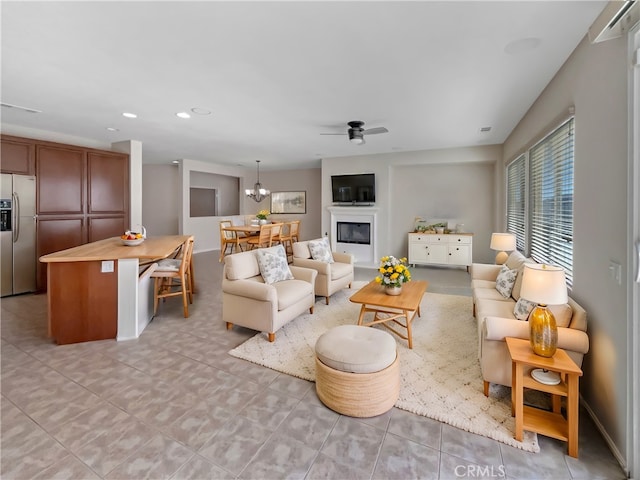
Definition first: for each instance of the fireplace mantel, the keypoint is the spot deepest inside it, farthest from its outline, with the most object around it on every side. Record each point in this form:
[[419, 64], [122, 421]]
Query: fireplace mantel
[[364, 255]]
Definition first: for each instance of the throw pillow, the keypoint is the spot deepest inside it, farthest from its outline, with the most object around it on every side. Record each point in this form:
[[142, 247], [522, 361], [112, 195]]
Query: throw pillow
[[523, 309], [505, 281], [320, 250], [563, 314], [273, 264]]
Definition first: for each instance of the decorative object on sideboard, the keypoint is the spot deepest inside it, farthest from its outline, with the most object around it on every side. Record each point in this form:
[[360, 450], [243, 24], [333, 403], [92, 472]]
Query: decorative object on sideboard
[[393, 273], [258, 193], [544, 285], [502, 243]]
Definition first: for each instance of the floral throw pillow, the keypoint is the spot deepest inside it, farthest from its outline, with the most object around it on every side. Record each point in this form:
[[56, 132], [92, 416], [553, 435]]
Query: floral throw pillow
[[320, 250], [505, 281], [523, 309], [273, 264]]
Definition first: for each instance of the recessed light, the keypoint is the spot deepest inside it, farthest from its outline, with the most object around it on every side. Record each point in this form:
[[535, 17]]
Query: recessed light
[[129, 115], [201, 111], [111, 129], [183, 115], [175, 161]]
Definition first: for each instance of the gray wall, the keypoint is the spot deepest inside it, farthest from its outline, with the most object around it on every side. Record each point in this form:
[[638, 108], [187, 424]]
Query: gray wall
[[594, 79], [226, 188], [160, 199], [308, 180]]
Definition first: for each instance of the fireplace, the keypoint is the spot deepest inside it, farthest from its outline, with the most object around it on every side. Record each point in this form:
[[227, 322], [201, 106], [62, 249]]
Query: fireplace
[[353, 232]]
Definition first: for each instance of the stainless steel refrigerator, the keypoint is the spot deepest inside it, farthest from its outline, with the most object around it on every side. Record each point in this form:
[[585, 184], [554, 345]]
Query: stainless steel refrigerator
[[18, 234]]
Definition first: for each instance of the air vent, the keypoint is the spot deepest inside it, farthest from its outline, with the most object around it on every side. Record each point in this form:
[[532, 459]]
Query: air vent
[[485, 129], [615, 19]]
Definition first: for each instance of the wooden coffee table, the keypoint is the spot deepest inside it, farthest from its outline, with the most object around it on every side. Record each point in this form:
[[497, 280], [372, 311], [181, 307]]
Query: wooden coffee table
[[391, 308]]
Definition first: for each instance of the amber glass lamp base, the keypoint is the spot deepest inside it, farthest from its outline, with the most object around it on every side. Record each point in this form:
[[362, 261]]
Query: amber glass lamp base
[[543, 332]]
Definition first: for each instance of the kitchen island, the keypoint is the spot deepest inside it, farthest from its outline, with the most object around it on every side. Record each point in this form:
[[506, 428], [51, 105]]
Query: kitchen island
[[103, 290]]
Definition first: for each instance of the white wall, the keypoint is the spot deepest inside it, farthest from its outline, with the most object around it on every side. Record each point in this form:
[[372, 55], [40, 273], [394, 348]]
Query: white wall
[[594, 79], [455, 182]]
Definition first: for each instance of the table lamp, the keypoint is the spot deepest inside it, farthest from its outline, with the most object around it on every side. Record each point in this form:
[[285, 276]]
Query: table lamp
[[544, 285], [503, 243]]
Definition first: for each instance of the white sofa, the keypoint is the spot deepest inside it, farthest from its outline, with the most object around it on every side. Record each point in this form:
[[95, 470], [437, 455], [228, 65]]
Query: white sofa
[[331, 276], [496, 320], [250, 302]]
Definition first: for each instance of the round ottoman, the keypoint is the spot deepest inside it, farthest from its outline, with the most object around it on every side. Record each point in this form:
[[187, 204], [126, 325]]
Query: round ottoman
[[357, 370]]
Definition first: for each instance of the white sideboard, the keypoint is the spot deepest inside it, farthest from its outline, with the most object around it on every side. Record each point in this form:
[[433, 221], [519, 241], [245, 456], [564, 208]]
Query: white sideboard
[[441, 249]]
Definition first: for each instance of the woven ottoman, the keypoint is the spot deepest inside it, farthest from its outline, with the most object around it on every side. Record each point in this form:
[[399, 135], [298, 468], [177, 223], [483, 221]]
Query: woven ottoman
[[357, 370]]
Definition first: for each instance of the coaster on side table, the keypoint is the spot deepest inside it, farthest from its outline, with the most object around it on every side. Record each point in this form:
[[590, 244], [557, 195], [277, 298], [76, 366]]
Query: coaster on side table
[[546, 377]]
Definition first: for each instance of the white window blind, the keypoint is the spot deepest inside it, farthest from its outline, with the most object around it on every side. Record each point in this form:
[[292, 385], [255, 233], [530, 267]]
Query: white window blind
[[516, 200], [551, 199]]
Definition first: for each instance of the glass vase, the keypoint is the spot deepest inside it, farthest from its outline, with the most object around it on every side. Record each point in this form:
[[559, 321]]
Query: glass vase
[[543, 333]]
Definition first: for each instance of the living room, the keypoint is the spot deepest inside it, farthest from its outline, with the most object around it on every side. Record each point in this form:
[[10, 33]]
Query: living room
[[468, 183]]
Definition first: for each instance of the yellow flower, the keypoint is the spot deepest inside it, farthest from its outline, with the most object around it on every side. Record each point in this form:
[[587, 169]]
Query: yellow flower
[[382, 270], [394, 276], [399, 268], [378, 280]]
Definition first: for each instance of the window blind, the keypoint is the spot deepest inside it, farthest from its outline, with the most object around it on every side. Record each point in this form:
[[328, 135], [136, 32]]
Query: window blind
[[516, 200], [551, 199]]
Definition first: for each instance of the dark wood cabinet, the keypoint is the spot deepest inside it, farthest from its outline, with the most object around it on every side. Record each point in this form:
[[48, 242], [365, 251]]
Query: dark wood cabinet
[[105, 227], [108, 182], [17, 156], [82, 194], [60, 174]]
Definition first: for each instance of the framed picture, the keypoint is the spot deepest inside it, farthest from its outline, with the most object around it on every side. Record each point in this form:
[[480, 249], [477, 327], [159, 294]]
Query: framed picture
[[288, 202]]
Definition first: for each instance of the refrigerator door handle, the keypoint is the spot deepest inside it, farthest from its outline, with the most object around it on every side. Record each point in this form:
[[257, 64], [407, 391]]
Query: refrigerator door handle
[[16, 217]]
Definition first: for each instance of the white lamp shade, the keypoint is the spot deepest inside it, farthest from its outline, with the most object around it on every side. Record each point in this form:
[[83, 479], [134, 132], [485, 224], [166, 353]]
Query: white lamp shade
[[544, 284], [503, 242]]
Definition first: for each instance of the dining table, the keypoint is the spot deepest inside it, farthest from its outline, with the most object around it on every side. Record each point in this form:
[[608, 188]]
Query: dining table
[[248, 229]]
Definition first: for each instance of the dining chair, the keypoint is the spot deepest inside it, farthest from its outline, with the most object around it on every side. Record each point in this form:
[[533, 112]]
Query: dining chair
[[264, 239], [286, 239], [229, 239], [173, 277], [295, 231]]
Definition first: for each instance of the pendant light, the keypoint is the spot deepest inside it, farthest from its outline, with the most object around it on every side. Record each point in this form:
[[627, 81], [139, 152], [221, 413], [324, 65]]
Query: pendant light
[[258, 193]]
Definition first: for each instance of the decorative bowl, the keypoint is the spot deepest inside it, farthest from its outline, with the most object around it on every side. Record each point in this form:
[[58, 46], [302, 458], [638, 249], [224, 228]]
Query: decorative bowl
[[132, 243]]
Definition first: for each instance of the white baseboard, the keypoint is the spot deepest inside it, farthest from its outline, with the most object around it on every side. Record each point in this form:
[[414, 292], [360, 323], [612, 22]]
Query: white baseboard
[[609, 441]]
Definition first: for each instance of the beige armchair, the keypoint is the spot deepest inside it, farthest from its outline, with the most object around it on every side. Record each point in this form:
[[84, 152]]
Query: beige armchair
[[331, 276], [250, 302]]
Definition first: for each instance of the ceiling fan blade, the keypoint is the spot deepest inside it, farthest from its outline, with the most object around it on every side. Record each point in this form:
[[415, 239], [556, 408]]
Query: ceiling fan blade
[[373, 131]]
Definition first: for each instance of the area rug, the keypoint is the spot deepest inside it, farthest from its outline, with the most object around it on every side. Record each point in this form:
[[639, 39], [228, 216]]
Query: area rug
[[440, 376]]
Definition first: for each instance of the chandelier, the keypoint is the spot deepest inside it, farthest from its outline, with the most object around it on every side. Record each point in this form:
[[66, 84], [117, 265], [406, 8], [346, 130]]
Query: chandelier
[[258, 193]]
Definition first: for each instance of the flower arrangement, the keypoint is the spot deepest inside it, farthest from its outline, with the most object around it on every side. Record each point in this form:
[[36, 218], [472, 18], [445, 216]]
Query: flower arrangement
[[263, 214], [393, 272]]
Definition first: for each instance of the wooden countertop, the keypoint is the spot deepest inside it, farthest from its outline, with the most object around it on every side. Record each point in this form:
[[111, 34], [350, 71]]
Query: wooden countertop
[[113, 249]]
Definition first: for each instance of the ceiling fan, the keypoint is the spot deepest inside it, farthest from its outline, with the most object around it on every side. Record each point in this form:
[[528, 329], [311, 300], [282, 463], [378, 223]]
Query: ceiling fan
[[356, 132]]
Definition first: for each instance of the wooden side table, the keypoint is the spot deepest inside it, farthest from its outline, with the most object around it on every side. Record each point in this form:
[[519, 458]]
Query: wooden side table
[[551, 424]]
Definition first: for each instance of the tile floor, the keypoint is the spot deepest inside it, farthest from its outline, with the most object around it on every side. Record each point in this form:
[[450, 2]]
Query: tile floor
[[173, 404]]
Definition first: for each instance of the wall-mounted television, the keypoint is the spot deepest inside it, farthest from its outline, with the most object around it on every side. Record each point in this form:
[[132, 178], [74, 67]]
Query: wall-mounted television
[[354, 189]]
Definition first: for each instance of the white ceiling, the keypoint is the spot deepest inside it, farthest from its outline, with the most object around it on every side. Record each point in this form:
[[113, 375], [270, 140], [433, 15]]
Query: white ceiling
[[277, 74]]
